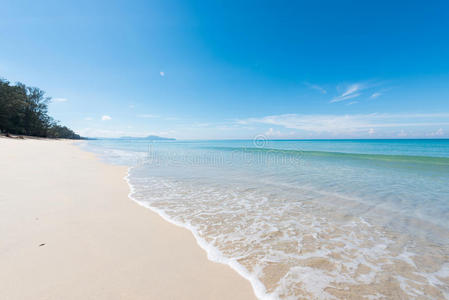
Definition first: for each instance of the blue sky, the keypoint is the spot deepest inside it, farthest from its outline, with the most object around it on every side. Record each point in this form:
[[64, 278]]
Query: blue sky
[[235, 69]]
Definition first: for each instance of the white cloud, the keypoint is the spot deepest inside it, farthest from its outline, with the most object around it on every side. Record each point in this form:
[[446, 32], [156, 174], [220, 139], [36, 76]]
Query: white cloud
[[200, 124], [352, 91], [371, 131], [316, 87], [402, 133], [97, 132], [272, 133], [106, 118], [352, 103], [88, 118], [147, 116], [439, 132], [59, 100], [375, 95], [171, 118], [162, 73], [346, 124]]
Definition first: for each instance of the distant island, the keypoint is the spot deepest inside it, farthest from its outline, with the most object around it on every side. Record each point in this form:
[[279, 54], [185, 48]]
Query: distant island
[[150, 137]]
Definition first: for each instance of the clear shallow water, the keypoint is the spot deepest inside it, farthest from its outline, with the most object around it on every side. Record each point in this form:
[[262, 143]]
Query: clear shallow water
[[306, 219]]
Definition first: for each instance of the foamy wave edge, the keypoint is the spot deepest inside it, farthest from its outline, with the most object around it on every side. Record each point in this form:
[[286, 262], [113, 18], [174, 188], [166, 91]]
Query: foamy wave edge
[[213, 254]]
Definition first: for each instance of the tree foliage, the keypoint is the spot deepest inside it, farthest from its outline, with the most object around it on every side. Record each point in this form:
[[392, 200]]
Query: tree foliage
[[23, 110]]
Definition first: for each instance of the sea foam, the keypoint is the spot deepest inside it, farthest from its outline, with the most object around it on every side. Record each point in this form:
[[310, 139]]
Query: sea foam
[[311, 226]]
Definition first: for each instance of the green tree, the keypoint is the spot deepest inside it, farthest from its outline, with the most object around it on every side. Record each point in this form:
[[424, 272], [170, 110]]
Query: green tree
[[12, 102], [23, 110]]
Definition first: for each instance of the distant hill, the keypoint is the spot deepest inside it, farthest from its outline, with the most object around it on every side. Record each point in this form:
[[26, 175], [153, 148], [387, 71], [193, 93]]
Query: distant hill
[[150, 138]]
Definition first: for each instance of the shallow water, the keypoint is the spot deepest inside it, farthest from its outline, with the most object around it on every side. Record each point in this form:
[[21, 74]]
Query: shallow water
[[306, 219]]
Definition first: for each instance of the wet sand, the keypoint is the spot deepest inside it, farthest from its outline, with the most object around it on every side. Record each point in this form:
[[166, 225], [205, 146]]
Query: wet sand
[[69, 231]]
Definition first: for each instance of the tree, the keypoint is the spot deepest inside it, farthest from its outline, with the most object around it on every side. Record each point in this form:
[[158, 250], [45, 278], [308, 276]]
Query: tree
[[23, 110], [12, 102]]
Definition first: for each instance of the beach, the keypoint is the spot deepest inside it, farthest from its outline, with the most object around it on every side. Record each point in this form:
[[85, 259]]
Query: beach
[[69, 231], [302, 219]]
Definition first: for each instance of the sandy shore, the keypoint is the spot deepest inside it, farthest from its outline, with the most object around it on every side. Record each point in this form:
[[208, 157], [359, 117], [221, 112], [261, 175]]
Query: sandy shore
[[69, 231]]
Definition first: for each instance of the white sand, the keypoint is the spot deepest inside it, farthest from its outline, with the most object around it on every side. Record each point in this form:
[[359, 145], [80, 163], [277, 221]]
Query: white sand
[[98, 243]]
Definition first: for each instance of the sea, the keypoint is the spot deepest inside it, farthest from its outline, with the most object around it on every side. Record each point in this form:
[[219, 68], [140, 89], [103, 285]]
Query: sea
[[304, 219]]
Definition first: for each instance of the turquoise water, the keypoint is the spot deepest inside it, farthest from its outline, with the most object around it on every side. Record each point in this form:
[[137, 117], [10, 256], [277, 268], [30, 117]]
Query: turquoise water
[[318, 219], [420, 147]]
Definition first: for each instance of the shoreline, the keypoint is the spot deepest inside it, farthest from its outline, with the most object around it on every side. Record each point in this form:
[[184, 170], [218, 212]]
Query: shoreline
[[213, 254], [70, 234]]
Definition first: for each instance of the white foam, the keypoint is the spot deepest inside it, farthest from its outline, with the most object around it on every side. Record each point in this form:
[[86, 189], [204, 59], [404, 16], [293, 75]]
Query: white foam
[[264, 220], [213, 253]]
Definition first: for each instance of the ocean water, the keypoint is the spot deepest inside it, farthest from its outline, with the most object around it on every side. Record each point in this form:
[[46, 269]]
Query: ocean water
[[318, 219]]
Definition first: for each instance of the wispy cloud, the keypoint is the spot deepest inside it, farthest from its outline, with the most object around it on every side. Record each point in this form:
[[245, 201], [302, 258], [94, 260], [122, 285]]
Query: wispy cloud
[[343, 124], [375, 95], [106, 118], [439, 132], [59, 100], [115, 133], [273, 133], [316, 87], [402, 133], [147, 116], [378, 93], [171, 118], [351, 91], [201, 124], [162, 73], [97, 132]]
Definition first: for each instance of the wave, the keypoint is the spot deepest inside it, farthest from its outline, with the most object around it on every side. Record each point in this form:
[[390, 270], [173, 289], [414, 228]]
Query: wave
[[213, 253], [289, 249], [337, 227], [429, 160]]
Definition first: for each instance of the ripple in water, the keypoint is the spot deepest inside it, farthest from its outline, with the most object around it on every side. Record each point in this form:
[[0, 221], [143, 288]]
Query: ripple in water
[[292, 245], [368, 221]]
